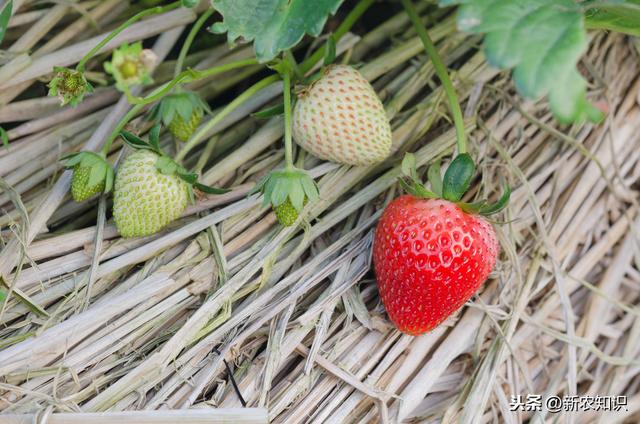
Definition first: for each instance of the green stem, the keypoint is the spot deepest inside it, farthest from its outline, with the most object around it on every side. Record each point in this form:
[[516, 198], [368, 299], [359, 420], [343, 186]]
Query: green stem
[[192, 35], [159, 92], [441, 71], [107, 145], [344, 27], [125, 25], [193, 141], [188, 76], [288, 142]]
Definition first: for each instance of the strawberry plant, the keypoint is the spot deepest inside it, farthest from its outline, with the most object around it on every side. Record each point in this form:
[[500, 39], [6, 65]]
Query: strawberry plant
[[221, 202], [336, 115]]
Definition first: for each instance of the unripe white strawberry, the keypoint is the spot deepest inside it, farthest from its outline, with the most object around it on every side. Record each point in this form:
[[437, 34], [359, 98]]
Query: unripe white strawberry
[[340, 118], [145, 199]]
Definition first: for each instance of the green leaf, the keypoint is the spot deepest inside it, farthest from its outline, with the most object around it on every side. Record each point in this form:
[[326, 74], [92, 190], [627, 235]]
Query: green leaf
[[620, 16], [97, 174], [272, 25], [190, 3], [5, 137], [542, 40], [435, 179], [330, 50], [210, 190], [166, 165], [5, 15], [408, 166], [135, 141], [269, 112], [154, 137], [108, 182], [457, 178], [500, 204], [417, 190]]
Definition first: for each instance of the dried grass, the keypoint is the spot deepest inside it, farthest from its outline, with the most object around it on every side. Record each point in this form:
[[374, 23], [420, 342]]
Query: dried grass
[[97, 323]]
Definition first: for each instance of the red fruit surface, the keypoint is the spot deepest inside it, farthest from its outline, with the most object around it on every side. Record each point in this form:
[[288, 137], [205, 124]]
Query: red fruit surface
[[430, 257]]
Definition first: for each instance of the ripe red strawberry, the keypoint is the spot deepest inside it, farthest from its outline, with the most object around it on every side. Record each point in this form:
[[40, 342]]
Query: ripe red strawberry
[[340, 118], [430, 257]]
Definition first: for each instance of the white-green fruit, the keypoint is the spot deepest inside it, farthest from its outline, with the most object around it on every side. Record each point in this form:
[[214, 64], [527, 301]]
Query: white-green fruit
[[145, 201], [340, 118]]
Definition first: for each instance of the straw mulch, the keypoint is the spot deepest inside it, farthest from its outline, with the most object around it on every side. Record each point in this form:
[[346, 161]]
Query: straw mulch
[[93, 322]]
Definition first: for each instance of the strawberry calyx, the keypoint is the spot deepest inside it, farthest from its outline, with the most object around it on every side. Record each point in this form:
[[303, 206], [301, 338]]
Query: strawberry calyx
[[165, 164], [452, 187], [183, 103], [69, 85], [100, 172], [282, 185]]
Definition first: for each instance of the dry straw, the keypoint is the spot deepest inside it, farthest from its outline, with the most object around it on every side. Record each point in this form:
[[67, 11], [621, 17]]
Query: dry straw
[[148, 324]]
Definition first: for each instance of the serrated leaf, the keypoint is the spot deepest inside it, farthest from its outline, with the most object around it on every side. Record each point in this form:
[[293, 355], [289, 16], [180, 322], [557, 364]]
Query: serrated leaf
[[272, 25], [5, 15], [542, 40], [620, 16]]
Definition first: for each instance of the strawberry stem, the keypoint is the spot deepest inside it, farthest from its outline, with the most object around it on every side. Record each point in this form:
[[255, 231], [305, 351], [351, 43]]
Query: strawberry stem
[[288, 147], [151, 11], [441, 71], [189, 40], [187, 76], [344, 27]]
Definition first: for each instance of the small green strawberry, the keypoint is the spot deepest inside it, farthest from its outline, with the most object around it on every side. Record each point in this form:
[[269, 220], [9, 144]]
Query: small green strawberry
[[91, 175], [340, 118], [287, 191], [69, 85], [151, 189], [181, 113], [286, 213]]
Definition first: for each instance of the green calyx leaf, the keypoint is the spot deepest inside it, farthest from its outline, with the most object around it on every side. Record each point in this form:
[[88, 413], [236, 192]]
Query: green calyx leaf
[[330, 50], [435, 179], [272, 25], [167, 166], [293, 184], [485, 208], [270, 111], [618, 15], [542, 40], [457, 178], [414, 185], [184, 103], [5, 137], [5, 15], [99, 169], [137, 143]]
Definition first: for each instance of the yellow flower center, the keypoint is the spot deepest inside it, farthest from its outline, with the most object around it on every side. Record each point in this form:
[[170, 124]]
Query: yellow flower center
[[129, 69]]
